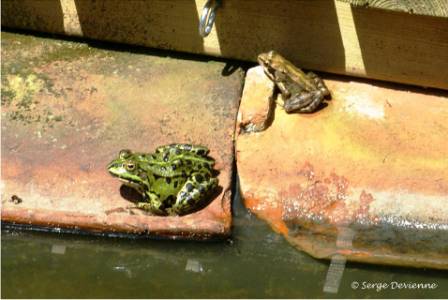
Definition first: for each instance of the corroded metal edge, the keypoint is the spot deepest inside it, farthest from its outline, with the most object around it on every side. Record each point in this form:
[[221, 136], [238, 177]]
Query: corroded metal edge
[[360, 164], [323, 245], [159, 227]]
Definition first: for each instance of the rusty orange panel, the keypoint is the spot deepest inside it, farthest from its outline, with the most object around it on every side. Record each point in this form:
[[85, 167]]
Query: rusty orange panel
[[366, 176], [68, 108]]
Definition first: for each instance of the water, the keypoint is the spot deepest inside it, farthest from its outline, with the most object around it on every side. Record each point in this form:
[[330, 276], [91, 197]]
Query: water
[[255, 263]]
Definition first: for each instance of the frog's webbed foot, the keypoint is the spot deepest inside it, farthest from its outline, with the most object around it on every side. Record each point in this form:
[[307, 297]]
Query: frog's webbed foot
[[198, 186]]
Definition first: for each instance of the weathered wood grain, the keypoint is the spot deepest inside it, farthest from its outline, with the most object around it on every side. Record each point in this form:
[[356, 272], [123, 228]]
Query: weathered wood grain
[[330, 36], [437, 8]]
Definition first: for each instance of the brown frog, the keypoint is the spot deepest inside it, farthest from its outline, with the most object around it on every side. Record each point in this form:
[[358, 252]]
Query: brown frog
[[300, 92]]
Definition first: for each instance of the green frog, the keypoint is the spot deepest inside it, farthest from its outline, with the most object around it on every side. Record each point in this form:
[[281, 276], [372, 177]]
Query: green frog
[[300, 92], [174, 180]]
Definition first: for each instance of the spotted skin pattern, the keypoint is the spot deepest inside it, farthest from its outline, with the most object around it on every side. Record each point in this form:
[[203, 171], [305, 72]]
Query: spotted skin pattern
[[174, 180]]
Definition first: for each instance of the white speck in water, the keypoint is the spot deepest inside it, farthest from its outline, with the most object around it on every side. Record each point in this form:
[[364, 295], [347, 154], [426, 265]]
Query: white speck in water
[[194, 266], [58, 249], [123, 269]]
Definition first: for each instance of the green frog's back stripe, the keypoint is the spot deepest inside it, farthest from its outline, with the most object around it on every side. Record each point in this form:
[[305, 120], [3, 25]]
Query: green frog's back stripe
[[207, 162], [197, 149]]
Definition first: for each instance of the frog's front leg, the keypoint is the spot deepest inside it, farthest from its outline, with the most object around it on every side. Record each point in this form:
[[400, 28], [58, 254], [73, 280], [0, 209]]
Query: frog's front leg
[[280, 83], [195, 189], [152, 204]]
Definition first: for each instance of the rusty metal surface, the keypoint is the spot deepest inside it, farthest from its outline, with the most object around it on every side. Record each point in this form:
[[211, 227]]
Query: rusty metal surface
[[366, 177], [68, 108]]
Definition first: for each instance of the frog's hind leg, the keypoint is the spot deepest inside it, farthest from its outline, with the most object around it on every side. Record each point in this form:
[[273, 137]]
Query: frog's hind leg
[[316, 99], [198, 186], [300, 103], [319, 83]]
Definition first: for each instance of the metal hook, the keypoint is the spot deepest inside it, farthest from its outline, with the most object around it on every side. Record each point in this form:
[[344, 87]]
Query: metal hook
[[208, 17]]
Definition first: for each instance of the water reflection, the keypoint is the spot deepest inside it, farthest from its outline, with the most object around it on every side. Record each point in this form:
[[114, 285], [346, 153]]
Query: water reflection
[[255, 263]]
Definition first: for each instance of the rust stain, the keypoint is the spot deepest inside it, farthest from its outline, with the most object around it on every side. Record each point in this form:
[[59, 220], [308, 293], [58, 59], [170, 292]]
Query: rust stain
[[307, 170], [359, 254], [364, 202], [374, 160], [317, 195], [266, 211], [105, 101]]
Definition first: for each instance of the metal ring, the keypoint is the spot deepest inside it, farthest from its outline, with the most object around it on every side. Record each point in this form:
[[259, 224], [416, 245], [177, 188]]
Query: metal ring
[[208, 17]]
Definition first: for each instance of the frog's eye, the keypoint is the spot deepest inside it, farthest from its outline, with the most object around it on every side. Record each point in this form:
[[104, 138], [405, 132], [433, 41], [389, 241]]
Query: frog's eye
[[125, 153], [130, 166]]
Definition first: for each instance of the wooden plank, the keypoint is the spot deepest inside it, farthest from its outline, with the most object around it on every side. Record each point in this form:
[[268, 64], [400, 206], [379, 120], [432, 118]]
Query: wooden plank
[[436, 8], [329, 36]]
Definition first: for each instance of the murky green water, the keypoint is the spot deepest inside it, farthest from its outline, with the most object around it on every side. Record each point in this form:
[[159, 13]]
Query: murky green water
[[256, 263]]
